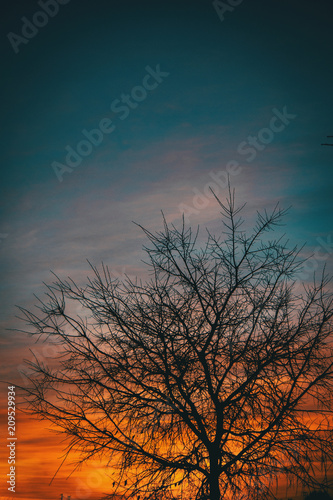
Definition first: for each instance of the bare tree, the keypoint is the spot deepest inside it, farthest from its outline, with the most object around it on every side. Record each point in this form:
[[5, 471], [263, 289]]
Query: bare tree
[[208, 381]]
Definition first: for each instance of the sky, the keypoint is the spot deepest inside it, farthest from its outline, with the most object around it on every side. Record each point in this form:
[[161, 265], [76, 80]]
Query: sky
[[115, 111]]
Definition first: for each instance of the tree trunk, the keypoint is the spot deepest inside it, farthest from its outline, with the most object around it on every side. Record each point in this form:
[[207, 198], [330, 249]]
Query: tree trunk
[[214, 486]]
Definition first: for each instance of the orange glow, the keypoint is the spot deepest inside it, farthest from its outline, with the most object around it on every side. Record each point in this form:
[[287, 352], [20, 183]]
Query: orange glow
[[39, 453]]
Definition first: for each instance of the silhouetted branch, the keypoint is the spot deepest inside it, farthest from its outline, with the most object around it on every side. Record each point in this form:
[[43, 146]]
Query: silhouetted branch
[[210, 380]]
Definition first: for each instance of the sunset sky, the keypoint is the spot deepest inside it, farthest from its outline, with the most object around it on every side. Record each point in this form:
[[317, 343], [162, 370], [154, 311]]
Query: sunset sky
[[252, 86]]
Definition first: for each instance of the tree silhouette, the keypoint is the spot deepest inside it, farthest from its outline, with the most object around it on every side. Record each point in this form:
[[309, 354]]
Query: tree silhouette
[[318, 495], [207, 381]]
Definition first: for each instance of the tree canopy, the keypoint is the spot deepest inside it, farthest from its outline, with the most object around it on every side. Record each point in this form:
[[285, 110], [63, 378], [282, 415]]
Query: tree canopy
[[209, 380]]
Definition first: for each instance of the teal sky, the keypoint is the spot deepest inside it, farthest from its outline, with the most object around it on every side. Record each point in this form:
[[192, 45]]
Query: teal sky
[[224, 79]]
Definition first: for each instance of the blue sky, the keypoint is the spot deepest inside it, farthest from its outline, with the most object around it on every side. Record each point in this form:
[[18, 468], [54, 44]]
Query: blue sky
[[224, 80]]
